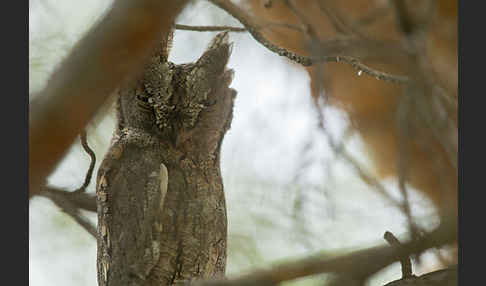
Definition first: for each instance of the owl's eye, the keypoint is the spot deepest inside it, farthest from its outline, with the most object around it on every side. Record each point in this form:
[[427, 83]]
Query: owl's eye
[[142, 97], [143, 103]]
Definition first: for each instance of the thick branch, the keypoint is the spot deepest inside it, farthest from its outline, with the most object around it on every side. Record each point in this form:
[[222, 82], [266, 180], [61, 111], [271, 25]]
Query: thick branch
[[112, 50], [357, 264], [444, 277]]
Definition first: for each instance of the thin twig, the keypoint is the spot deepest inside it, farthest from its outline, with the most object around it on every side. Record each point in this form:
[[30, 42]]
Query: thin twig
[[254, 30], [72, 202], [339, 149], [82, 221], [282, 25], [209, 28], [233, 29], [92, 155], [308, 28], [404, 261], [403, 127], [337, 23], [81, 200], [63, 200], [364, 69], [371, 17]]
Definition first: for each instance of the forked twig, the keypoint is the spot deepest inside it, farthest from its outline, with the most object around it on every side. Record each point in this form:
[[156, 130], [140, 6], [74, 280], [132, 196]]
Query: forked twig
[[404, 261], [72, 202], [64, 201]]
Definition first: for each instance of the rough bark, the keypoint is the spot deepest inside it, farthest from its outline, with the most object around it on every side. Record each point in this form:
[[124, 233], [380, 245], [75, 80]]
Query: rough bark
[[153, 230]]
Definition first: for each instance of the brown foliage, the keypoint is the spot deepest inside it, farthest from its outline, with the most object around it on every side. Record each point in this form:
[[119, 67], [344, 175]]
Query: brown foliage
[[416, 123]]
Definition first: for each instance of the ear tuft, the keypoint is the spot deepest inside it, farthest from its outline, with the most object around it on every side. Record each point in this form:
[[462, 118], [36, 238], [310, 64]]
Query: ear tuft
[[219, 40], [216, 56]]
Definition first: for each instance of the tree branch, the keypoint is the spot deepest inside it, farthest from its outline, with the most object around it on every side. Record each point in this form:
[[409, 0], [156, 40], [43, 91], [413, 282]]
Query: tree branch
[[114, 49], [92, 155], [71, 203], [209, 28], [81, 200], [404, 261], [362, 263], [340, 150], [254, 30], [443, 277], [232, 29], [337, 23]]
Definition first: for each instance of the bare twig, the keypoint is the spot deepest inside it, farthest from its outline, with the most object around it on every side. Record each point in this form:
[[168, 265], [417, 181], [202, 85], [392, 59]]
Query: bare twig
[[403, 120], [362, 68], [340, 150], [233, 29], [92, 155], [71, 203], [372, 17], [209, 28], [81, 200], [254, 30], [283, 25], [308, 28], [440, 129], [337, 23], [367, 178], [404, 261]]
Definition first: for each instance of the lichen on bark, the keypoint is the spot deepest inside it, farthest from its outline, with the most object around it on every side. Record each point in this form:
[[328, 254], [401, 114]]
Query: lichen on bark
[[173, 116]]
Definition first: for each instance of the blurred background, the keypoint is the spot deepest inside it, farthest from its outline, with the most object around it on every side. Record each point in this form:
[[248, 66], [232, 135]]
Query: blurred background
[[288, 195]]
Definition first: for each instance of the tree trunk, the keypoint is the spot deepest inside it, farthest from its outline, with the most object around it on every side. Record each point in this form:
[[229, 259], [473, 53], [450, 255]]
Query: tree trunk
[[161, 205]]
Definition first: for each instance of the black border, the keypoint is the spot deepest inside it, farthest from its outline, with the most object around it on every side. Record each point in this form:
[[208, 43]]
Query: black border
[[472, 95], [14, 140]]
